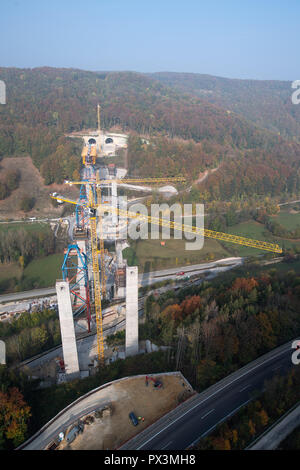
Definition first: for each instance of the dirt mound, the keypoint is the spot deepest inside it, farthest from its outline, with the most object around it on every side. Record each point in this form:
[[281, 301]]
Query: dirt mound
[[31, 184]]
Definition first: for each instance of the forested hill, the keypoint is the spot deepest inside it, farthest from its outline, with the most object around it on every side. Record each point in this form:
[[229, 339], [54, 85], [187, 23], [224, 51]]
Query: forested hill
[[65, 100], [265, 102], [44, 104]]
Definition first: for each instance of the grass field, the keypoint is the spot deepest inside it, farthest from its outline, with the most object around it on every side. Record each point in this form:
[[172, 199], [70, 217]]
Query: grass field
[[9, 271], [257, 231], [250, 229], [289, 220], [46, 270], [28, 226], [152, 256], [43, 271]]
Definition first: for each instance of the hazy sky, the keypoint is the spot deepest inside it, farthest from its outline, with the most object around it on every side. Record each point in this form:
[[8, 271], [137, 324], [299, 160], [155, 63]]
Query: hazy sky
[[233, 38]]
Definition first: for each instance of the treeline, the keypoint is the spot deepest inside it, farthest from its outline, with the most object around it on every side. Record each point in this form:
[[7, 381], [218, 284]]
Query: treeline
[[280, 394], [22, 246], [9, 181], [65, 100], [14, 409], [44, 104], [237, 174], [163, 157], [229, 214], [279, 230], [56, 156], [215, 329], [30, 334], [265, 102], [271, 173]]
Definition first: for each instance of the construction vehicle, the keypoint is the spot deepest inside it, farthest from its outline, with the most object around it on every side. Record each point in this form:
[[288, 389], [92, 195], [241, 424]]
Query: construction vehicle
[[60, 362], [156, 383]]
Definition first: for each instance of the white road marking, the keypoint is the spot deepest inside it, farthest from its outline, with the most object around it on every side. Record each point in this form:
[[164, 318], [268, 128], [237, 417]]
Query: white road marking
[[202, 417], [214, 393], [247, 386], [167, 444], [221, 421]]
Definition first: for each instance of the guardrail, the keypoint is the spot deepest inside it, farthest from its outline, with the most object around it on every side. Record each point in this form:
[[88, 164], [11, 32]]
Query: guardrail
[[258, 438]]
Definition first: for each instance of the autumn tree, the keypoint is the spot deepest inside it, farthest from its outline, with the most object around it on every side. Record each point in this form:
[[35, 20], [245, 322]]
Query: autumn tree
[[14, 415], [27, 203]]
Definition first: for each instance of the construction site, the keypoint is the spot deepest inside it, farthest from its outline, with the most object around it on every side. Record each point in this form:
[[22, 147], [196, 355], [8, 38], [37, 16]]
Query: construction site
[[98, 295], [93, 269], [107, 425]]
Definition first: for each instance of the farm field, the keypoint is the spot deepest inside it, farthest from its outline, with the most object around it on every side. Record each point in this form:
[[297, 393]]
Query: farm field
[[289, 220], [41, 272], [45, 270], [249, 229], [152, 256], [28, 226]]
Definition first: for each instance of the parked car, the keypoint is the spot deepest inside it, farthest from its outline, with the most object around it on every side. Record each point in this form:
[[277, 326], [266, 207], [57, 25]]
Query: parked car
[[133, 419]]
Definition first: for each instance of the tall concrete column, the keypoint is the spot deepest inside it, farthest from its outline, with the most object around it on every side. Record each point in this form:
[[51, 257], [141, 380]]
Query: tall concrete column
[[119, 248], [2, 352], [114, 201], [67, 329], [132, 319]]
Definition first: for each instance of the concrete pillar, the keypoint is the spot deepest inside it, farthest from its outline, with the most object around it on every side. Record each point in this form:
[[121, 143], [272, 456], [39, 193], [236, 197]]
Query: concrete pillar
[[119, 248], [114, 201], [132, 319], [67, 329], [2, 352]]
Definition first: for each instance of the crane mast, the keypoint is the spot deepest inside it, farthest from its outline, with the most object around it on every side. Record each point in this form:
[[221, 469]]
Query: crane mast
[[97, 289], [98, 115]]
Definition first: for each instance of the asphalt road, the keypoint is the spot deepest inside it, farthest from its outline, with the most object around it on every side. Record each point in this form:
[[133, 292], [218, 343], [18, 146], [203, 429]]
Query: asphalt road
[[205, 412], [171, 273], [29, 294], [204, 415], [144, 279]]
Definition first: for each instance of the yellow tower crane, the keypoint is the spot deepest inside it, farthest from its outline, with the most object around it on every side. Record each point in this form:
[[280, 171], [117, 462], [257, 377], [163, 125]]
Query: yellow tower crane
[[99, 286], [176, 179]]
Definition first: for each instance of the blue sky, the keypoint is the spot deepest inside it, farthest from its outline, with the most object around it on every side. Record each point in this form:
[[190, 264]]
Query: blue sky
[[232, 38]]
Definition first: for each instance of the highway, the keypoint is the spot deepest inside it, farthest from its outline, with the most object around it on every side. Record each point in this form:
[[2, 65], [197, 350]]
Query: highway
[[213, 267], [213, 405], [195, 418], [29, 294], [144, 279]]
